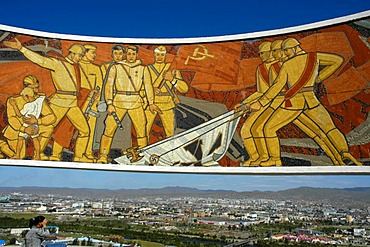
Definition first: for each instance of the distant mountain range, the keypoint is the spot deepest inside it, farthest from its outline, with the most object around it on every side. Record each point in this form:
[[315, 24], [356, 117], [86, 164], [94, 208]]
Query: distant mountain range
[[107, 193], [356, 197]]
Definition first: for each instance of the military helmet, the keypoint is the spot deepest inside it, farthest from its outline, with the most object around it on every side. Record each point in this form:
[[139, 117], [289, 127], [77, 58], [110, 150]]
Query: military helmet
[[90, 47], [290, 43], [77, 49], [30, 80], [276, 45], [264, 46]]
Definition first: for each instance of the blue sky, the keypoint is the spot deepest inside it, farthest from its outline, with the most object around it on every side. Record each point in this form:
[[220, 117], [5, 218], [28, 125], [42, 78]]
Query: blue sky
[[170, 19]]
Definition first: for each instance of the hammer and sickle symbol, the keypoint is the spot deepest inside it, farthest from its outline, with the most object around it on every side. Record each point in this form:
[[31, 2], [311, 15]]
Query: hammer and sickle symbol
[[133, 154], [198, 55]]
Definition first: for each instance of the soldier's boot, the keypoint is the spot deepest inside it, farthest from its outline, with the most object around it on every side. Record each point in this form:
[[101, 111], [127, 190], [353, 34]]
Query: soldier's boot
[[271, 162], [273, 147], [250, 146], [81, 144], [340, 143], [44, 157], [43, 142], [5, 149], [262, 151], [89, 150], [57, 152], [330, 150], [105, 144], [36, 152], [83, 159], [90, 156], [349, 156]]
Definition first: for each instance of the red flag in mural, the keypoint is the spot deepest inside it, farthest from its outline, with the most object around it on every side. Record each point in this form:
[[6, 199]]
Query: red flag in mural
[[216, 64]]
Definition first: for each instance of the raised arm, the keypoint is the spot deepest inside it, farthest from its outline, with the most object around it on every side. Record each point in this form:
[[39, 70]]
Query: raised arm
[[43, 61]]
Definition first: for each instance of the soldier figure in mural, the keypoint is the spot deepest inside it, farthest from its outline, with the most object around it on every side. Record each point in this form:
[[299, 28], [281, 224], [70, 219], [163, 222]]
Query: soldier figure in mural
[[89, 92], [31, 108], [122, 91], [165, 84], [118, 55], [262, 81], [92, 79], [67, 82], [37, 124], [302, 70], [302, 121]]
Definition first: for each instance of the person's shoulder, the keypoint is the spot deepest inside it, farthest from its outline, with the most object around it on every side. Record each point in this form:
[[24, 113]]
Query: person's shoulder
[[31, 230], [105, 63], [15, 97]]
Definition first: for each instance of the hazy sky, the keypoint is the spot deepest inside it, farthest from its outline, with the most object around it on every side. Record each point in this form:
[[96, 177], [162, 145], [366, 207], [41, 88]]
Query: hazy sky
[[169, 19]]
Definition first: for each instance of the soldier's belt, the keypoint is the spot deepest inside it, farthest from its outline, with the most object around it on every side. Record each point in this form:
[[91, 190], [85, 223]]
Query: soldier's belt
[[163, 94], [66, 92], [305, 89], [127, 92]]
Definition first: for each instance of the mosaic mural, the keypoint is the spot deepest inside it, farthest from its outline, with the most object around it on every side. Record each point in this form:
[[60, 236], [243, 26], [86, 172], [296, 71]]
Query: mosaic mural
[[296, 99]]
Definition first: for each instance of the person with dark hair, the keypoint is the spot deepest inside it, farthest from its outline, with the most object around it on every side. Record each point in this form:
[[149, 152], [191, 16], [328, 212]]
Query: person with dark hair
[[37, 232], [118, 55]]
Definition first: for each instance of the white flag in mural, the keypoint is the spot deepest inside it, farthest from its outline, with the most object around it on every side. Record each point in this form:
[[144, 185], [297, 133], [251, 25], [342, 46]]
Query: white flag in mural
[[202, 145]]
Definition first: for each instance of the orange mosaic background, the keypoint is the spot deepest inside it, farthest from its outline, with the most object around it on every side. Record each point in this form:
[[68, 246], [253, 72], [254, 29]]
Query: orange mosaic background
[[227, 79]]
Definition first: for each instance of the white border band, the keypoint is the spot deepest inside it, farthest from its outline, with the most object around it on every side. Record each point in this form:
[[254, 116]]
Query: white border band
[[289, 170]]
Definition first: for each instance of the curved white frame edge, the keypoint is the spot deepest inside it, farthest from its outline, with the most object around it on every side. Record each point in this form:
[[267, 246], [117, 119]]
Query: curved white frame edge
[[251, 35]]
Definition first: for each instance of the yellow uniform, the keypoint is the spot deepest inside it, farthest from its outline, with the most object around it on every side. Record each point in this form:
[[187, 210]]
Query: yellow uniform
[[249, 141], [45, 123], [163, 98], [91, 78], [302, 122], [64, 101], [301, 98], [122, 90], [104, 67]]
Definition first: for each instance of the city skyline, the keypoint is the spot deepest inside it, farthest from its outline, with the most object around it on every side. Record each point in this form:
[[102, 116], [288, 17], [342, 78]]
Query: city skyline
[[196, 19]]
